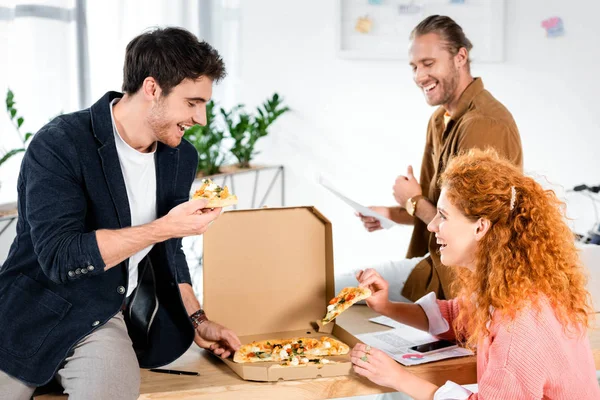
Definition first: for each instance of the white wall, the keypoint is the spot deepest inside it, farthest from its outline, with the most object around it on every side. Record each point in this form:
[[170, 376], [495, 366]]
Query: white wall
[[37, 62], [361, 121], [39, 65], [358, 121]]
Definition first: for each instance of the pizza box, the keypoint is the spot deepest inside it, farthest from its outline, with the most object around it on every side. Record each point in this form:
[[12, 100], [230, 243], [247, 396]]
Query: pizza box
[[268, 274]]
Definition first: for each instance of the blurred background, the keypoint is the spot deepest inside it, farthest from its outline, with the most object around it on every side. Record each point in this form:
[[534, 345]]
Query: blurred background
[[356, 116]]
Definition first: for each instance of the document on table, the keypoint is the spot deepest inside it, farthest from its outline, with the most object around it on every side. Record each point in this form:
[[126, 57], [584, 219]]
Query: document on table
[[386, 223], [397, 342]]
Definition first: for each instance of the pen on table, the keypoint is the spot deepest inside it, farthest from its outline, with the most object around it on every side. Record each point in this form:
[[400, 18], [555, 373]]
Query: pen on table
[[174, 371]]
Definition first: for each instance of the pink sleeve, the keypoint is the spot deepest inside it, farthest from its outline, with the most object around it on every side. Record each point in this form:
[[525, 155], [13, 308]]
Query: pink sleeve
[[517, 364], [449, 310], [500, 384]]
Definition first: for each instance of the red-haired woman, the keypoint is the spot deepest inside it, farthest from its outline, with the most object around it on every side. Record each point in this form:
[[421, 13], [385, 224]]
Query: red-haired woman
[[522, 301]]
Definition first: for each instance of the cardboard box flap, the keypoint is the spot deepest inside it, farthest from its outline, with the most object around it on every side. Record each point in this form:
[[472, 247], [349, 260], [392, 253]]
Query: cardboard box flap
[[268, 270]]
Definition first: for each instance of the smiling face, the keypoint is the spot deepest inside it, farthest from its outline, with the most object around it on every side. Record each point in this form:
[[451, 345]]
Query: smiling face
[[183, 107], [457, 235], [435, 70]]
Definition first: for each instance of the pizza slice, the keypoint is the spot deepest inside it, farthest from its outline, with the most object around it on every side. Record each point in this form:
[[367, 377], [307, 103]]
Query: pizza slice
[[296, 350], [256, 352], [329, 347], [306, 361], [343, 301], [216, 195]]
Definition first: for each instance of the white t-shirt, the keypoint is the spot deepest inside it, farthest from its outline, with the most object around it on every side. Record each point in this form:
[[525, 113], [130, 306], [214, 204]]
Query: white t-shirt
[[139, 173]]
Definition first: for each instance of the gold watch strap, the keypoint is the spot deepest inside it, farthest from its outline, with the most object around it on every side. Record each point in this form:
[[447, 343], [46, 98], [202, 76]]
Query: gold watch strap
[[415, 201]]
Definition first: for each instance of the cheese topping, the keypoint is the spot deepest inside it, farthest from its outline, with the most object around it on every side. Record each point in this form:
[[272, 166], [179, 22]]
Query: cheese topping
[[211, 187]]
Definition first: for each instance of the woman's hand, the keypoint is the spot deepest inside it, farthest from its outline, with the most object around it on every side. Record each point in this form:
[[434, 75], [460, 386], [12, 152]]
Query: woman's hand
[[376, 366], [382, 370], [379, 287]]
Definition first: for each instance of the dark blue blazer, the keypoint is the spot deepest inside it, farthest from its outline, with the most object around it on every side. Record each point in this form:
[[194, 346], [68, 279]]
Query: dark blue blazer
[[53, 287]]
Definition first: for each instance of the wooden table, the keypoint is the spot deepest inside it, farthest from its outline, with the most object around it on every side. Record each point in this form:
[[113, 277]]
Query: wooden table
[[217, 381]]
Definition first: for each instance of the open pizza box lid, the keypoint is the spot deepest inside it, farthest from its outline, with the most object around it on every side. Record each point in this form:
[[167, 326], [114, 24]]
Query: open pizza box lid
[[268, 274]]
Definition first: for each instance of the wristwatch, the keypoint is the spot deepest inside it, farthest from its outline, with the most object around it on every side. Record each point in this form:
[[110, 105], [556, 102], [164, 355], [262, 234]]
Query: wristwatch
[[198, 317], [411, 204]]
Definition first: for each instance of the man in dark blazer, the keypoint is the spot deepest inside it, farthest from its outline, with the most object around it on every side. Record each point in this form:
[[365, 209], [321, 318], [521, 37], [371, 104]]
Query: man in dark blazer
[[96, 283]]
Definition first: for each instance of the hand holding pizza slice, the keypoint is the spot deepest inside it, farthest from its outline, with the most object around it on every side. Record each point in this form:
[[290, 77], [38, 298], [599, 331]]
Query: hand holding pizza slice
[[346, 298], [216, 195]]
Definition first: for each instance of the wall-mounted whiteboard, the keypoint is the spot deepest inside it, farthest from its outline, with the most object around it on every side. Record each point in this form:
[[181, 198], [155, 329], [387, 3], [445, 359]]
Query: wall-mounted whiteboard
[[391, 21]]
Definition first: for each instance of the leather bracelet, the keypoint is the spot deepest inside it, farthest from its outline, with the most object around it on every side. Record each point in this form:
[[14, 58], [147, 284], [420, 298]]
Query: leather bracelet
[[198, 317]]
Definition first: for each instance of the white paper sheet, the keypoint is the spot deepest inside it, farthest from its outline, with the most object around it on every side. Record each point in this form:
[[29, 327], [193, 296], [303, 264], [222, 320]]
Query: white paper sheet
[[396, 343], [385, 222]]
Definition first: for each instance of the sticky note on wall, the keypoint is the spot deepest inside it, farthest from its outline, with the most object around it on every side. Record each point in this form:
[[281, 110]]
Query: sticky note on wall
[[554, 27], [363, 24]]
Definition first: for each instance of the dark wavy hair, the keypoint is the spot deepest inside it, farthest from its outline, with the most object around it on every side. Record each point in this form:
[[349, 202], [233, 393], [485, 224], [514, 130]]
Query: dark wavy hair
[[169, 55]]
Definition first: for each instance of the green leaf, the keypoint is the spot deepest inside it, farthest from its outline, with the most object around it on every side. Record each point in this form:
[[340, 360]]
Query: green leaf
[[28, 136], [9, 155], [13, 112], [20, 121], [262, 354], [9, 99], [208, 140]]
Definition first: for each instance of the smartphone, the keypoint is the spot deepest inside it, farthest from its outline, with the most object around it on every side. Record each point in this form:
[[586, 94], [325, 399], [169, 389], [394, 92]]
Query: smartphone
[[433, 347]]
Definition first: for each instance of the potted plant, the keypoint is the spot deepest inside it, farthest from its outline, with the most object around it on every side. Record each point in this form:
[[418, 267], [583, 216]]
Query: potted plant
[[245, 129], [17, 121], [207, 141]]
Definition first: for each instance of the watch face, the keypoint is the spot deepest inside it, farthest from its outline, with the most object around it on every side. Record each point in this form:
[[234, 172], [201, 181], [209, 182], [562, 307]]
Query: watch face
[[410, 206]]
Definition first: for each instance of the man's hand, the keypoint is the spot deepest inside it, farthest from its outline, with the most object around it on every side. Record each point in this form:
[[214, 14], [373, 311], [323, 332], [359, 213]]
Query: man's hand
[[371, 223], [216, 338], [379, 288], [406, 187], [189, 218]]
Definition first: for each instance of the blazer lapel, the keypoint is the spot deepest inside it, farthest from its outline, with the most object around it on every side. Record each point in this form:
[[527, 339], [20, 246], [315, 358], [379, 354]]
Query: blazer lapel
[[116, 183], [107, 150], [167, 162]]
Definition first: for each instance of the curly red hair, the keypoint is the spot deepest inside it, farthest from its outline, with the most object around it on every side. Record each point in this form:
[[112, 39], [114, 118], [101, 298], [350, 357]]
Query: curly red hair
[[528, 251]]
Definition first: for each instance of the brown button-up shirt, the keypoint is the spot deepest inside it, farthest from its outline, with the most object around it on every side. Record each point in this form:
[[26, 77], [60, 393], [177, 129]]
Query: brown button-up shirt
[[479, 121]]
